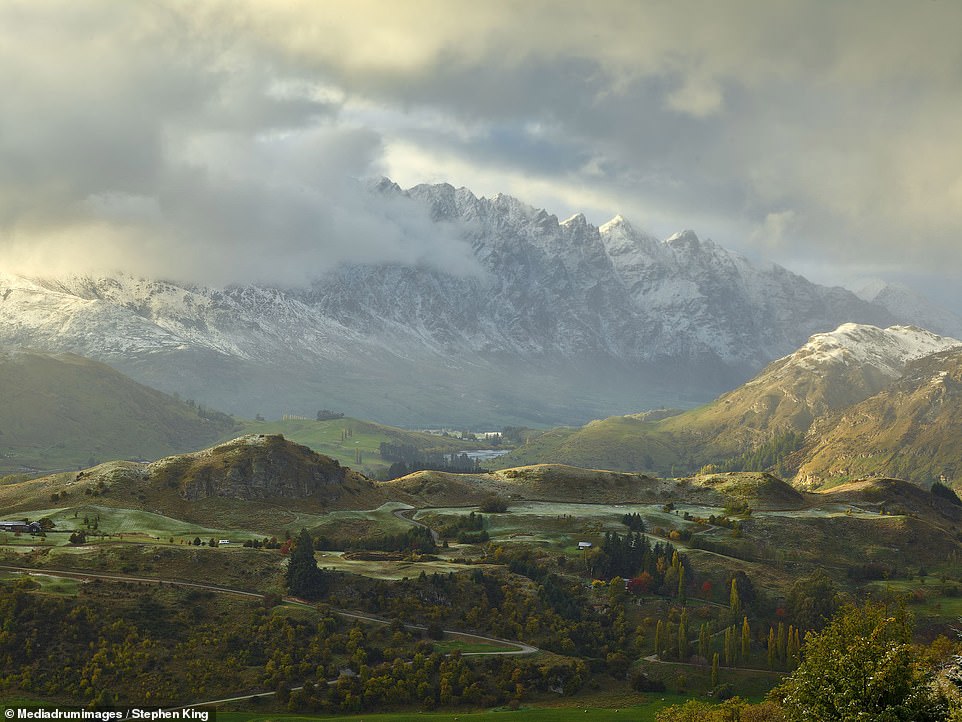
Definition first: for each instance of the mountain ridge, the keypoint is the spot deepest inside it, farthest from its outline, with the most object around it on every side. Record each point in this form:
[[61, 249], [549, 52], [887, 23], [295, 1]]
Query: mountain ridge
[[856, 376]]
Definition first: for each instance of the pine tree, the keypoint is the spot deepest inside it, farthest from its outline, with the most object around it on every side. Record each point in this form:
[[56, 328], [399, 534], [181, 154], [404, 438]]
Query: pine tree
[[304, 579]]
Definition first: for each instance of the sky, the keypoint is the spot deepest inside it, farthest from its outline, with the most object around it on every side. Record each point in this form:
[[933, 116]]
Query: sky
[[233, 142]]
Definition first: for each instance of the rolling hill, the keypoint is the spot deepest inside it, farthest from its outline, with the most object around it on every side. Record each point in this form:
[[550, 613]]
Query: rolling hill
[[65, 411]]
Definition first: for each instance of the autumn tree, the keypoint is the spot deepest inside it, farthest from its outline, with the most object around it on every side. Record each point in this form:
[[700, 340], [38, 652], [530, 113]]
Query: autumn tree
[[862, 666]]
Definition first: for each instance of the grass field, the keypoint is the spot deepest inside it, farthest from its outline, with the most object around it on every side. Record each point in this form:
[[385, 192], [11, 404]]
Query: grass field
[[328, 438], [634, 713], [386, 569], [49, 584], [561, 525], [928, 600]]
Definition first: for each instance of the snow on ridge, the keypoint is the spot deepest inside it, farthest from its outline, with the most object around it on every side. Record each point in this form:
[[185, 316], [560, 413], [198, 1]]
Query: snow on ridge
[[889, 350]]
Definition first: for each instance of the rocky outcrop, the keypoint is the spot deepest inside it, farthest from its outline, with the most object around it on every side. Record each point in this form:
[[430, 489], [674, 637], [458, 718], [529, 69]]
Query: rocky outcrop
[[257, 466]]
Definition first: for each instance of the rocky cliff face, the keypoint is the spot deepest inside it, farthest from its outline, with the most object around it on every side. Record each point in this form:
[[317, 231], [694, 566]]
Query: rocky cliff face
[[563, 322], [251, 467]]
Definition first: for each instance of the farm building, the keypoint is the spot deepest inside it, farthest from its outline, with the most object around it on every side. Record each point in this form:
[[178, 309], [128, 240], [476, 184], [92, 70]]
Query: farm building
[[31, 527]]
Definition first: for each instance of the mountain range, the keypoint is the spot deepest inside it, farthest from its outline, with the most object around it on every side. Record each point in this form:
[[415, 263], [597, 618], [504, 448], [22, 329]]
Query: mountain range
[[563, 322]]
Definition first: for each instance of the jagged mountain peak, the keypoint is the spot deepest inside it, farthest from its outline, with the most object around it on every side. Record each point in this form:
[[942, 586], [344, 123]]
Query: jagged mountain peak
[[561, 307], [578, 220], [686, 238]]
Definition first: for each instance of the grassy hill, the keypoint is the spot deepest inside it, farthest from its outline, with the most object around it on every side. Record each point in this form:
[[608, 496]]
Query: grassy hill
[[64, 411], [259, 482]]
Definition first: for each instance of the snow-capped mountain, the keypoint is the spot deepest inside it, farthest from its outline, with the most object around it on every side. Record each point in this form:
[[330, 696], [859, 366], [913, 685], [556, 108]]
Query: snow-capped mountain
[[885, 351], [566, 322], [829, 372], [911, 307], [795, 400]]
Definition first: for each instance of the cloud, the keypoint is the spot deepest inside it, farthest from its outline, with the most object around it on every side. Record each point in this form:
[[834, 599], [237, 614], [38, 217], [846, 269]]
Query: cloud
[[142, 146], [214, 139]]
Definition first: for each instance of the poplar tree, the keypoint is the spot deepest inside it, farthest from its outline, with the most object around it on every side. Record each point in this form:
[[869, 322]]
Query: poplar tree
[[659, 638], [734, 601], [728, 646], [703, 641], [771, 648], [746, 639], [714, 670], [794, 647], [683, 651], [782, 651]]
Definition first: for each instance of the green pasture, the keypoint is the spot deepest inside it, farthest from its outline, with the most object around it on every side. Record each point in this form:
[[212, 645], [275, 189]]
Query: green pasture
[[133, 523], [137, 525], [328, 438], [826, 511], [560, 524], [927, 599], [48, 583], [357, 523], [392, 570]]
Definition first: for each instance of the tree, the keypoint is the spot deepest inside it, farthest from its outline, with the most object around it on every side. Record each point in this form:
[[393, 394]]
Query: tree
[[746, 640], [860, 667], [946, 492], [683, 651], [771, 648], [812, 601], [734, 600], [304, 579], [704, 641], [660, 639], [493, 504]]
